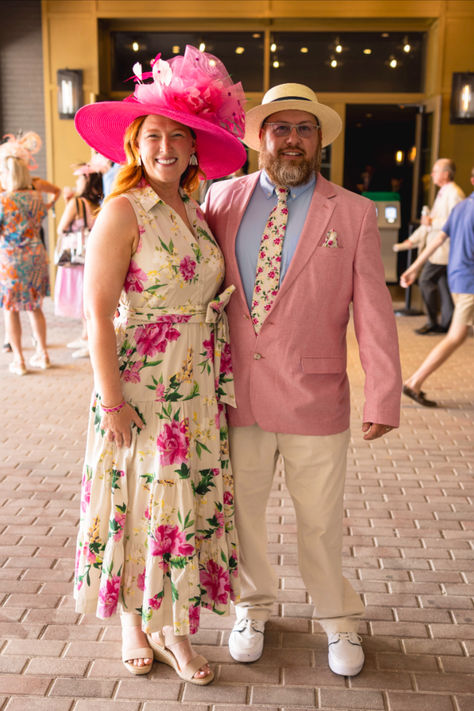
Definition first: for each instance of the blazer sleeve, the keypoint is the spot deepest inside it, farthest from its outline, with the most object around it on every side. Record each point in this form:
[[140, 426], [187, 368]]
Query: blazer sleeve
[[375, 328]]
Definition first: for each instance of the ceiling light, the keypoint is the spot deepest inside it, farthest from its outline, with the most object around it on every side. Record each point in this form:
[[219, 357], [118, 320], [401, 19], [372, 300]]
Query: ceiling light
[[256, 35], [338, 48], [273, 47], [367, 51], [202, 47], [333, 63], [385, 34], [406, 45], [135, 46], [392, 62], [304, 50], [175, 49], [276, 63], [239, 50], [399, 157]]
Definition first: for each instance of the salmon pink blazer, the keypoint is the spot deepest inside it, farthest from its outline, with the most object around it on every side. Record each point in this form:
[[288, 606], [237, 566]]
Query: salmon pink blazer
[[291, 377]]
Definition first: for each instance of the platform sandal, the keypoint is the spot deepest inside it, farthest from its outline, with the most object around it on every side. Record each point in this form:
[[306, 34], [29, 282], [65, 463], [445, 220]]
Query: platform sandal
[[129, 621], [164, 654]]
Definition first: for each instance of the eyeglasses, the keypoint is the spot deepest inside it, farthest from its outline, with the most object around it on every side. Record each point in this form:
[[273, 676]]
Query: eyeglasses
[[283, 130]]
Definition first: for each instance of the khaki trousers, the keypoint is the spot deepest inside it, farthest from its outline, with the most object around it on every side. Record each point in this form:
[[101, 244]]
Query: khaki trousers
[[315, 470]]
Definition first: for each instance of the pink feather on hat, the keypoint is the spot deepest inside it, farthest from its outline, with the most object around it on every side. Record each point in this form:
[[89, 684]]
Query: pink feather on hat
[[195, 90]]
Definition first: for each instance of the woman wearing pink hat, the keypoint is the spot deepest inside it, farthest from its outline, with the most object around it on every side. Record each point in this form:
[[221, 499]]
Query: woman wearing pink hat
[[157, 535]]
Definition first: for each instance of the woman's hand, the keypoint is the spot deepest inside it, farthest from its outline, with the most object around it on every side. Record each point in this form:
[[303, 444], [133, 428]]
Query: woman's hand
[[117, 425]]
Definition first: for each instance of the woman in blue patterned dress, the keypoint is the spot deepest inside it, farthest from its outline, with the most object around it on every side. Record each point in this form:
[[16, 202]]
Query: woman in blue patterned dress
[[157, 536], [24, 277]]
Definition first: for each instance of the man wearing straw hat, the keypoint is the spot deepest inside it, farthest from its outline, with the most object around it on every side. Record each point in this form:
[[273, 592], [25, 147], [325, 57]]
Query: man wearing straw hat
[[300, 250]]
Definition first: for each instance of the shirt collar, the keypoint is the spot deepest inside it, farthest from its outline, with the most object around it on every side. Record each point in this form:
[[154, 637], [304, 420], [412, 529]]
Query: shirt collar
[[269, 188], [148, 198]]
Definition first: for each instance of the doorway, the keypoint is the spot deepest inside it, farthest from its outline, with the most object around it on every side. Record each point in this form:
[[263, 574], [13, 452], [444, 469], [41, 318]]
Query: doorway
[[378, 153]]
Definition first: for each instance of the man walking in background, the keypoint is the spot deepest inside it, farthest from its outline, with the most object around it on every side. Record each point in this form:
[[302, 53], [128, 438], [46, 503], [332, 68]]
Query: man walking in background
[[434, 280]]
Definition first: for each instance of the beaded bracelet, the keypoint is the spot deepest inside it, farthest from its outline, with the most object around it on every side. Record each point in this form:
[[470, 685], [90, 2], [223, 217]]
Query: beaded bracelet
[[117, 408]]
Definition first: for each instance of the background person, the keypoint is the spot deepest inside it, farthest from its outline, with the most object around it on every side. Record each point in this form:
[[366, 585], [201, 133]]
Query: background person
[[433, 281], [460, 230], [23, 261], [24, 146], [157, 527], [300, 250], [80, 213]]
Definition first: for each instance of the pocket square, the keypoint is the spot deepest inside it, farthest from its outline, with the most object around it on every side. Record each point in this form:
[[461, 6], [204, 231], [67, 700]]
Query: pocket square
[[331, 239]]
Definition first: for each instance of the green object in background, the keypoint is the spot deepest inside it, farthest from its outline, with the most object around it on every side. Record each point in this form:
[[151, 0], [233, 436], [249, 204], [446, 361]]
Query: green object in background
[[382, 197]]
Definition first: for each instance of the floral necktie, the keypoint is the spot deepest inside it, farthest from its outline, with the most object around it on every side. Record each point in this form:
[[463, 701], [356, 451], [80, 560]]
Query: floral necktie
[[267, 278]]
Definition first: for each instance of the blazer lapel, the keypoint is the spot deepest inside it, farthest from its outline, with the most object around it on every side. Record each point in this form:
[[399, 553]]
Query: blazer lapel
[[240, 198], [316, 224]]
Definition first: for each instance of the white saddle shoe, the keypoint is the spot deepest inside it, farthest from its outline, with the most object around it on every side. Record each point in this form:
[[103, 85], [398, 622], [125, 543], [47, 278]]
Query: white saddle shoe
[[345, 653], [246, 640]]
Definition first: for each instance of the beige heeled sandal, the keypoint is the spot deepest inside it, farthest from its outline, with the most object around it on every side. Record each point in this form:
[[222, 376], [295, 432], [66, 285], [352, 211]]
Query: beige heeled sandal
[[165, 655], [129, 621]]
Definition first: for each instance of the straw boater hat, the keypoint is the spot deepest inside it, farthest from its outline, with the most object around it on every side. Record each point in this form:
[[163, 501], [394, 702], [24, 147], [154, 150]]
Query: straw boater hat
[[291, 96], [195, 90]]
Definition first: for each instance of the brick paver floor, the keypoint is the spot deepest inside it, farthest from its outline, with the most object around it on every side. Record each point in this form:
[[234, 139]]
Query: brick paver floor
[[408, 551]]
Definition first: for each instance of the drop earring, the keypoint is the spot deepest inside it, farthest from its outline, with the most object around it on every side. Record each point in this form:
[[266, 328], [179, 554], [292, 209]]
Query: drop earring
[[139, 161], [193, 159]]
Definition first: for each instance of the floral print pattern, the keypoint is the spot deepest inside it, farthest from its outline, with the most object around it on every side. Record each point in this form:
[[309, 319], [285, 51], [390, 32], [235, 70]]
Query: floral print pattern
[[24, 279], [157, 519], [267, 278], [330, 239]]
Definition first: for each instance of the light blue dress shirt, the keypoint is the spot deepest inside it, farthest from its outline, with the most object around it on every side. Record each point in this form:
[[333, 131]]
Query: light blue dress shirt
[[261, 203]]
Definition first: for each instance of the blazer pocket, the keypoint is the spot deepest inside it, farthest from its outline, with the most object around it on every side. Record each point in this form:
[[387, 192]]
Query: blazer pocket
[[315, 365], [331, 252]]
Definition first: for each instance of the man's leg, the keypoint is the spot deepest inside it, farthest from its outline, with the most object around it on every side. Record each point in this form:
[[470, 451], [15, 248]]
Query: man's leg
[[446, 301], [315, 470], [428, 284], [315, 475], [253, 456]]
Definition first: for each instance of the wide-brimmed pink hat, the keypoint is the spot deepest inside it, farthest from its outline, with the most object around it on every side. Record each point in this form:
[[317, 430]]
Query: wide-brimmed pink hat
[[195, 90]]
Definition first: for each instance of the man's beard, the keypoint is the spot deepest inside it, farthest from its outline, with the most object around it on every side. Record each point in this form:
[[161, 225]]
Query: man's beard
[[286, 172]]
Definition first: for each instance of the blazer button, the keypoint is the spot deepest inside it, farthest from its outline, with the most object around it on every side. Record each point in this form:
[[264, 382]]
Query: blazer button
[[257, 356]]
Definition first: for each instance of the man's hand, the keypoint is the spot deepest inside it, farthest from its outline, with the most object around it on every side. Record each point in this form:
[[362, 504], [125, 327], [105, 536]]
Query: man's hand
[[374, 431], [408, 277]]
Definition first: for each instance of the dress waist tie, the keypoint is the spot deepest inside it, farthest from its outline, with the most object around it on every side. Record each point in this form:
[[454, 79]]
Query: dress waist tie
[[213, 314]]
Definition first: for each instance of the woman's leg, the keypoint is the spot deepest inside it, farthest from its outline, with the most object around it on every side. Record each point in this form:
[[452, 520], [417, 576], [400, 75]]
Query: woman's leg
[[13, 333], [38, 325]]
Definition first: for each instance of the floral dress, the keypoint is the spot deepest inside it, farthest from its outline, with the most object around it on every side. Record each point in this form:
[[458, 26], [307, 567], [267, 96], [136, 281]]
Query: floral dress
[[24, 279], [157, 519]]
